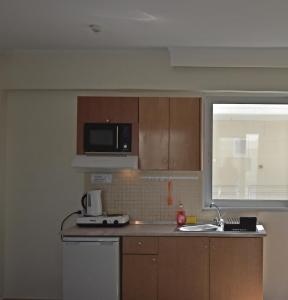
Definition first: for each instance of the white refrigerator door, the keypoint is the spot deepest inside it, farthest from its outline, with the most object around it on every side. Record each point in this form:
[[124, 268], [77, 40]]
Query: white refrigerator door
[[91, 270]]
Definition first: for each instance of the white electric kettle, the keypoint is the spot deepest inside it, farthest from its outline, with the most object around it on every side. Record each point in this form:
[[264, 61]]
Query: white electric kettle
[[92, 203]]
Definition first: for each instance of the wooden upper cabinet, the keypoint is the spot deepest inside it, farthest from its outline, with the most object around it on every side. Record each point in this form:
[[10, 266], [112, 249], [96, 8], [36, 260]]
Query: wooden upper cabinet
[[153, 133], [107, 109], [183, 267], [236, 268], [170, 133], [185, 138]]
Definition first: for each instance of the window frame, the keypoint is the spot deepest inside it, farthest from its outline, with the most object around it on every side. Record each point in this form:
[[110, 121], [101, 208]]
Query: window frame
[[263, 205]]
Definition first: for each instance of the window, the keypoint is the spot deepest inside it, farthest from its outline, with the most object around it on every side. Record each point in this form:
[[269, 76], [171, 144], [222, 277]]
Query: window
[[246, 152]]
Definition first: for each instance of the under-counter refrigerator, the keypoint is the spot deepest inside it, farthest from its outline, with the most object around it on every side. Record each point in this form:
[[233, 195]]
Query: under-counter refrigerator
[[91, 268]]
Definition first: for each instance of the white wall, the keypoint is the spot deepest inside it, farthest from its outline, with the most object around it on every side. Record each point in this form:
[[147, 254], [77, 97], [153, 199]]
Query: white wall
[[41, 186], [41, 189], [129, 69], [4, 67], [275, 255], [2, 186]]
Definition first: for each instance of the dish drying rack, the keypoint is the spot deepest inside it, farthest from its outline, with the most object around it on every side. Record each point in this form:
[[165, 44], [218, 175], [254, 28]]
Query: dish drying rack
[[240, 224]]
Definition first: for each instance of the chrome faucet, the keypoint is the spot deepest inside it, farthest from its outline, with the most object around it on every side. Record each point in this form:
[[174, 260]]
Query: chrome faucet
[[220, 220]]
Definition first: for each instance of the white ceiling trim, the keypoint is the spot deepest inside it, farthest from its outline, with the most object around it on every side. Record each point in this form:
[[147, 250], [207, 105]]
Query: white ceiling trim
[[228, 57]]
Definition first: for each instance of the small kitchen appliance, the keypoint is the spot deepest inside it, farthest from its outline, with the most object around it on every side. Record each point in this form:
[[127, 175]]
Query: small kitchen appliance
[[104, 220], [91, 268], [92, 203], [107, 138]]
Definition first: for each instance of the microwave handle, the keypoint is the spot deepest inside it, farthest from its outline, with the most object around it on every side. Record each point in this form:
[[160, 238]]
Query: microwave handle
[[117, 136]]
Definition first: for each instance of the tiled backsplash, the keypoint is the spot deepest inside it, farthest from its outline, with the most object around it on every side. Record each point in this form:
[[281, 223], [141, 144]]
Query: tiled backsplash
[[143, 195]]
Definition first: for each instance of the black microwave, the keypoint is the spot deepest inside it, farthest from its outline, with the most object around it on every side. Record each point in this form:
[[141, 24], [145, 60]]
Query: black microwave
[[107, 138]]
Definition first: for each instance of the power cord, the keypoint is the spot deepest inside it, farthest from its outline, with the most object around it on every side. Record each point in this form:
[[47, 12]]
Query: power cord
[[77, 212]]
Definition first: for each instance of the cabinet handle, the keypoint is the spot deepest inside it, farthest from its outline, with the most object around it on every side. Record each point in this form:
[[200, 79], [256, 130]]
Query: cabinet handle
[[154, 259], [107, 121], [139, 243], [205, 246], [172, 164], [117, 137]]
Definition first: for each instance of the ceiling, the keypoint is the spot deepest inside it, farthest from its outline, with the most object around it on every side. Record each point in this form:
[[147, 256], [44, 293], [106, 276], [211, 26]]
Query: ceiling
[[64, 24]]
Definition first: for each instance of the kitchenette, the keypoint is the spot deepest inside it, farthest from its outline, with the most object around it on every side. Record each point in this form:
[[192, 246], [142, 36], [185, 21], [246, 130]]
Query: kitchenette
[[153, 261], [126, 123], [142, 162]]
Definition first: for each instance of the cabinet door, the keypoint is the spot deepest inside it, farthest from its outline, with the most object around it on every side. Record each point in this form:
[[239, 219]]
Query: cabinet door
[[107, 109], [185, 139], [140, 245], [153, 133], [139, 277], [236, 268], [183, 266]]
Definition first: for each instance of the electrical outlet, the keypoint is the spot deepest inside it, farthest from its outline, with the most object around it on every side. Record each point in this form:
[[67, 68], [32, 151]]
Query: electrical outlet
[[101, 178]]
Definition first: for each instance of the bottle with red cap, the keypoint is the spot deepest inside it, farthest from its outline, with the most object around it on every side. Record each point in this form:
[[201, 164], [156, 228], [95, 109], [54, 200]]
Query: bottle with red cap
[[180, 215]]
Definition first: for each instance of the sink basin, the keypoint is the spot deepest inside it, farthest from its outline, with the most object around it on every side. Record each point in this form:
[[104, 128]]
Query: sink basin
[[198, 227]]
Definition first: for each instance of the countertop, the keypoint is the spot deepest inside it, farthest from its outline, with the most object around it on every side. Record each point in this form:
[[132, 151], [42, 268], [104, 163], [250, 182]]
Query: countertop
[[153, 230]]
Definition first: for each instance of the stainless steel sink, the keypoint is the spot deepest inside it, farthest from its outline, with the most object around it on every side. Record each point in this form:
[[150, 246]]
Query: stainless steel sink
[[198, 227]]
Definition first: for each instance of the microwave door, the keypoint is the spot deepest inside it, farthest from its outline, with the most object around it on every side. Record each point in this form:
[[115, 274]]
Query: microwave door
[[100, 138]]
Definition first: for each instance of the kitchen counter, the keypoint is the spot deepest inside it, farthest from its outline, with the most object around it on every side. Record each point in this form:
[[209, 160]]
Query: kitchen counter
[[153, 230]]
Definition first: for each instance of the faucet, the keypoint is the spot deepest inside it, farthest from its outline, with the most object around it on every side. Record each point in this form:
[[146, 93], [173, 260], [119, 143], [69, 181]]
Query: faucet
[[220, 220]]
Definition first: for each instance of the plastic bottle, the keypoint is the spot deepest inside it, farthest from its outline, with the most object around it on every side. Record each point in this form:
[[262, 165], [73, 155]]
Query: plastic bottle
[[180, 215]]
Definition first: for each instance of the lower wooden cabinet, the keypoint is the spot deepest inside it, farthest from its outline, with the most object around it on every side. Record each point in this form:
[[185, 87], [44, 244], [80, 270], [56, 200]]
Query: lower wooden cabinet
[[192, 268], [183, 268], [139, 268], [236, 268], [139, 279]]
